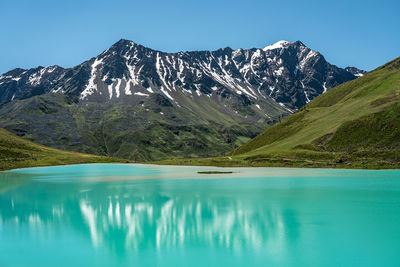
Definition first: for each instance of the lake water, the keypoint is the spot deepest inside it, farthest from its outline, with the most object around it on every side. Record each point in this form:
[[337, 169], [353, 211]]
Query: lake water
[[144, 215]]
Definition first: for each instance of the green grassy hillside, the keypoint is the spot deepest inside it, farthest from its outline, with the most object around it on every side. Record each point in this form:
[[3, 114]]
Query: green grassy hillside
[[354, 125], [16, 152], [153, 130]]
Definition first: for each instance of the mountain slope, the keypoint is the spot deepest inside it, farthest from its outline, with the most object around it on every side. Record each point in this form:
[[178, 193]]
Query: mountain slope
[[16, 152], [153, 130], [356, 124], [134, 102]]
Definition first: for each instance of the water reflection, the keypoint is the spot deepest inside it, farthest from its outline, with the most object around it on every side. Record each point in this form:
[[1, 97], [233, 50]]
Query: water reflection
[[175, 223], [151, 215]]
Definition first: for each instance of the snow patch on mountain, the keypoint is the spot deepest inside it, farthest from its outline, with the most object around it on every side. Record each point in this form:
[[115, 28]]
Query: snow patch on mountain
[[128, 90], [36, 77], [306, 59], [325, 88], [110, 90], [279, 71], [91, 86], [276, 45], [141, 94], [166, 93], [118, 88]]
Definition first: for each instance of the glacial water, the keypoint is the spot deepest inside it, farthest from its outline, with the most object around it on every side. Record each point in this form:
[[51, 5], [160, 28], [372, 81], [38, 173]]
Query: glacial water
[[144, 215]]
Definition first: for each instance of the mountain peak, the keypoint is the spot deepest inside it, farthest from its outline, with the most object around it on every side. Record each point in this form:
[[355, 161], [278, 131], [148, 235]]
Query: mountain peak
[[279, 44], [225, 49], [299, 43], [123, 41]]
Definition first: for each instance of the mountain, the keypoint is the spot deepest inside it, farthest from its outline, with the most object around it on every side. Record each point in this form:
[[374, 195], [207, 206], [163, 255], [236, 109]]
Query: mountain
[[356, 72], [289, 73], [134, 102], [16, 152], [354, 125]]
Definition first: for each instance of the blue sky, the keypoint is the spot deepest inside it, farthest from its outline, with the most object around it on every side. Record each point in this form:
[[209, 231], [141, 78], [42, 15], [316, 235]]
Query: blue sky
[[364, 34]]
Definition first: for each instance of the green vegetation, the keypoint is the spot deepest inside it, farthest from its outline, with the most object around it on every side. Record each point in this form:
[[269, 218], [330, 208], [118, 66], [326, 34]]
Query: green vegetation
[[16, 152], [354, 125], [153, 130]]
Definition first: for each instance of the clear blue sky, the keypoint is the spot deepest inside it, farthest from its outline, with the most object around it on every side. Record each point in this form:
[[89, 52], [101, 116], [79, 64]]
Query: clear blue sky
[[359, 33]]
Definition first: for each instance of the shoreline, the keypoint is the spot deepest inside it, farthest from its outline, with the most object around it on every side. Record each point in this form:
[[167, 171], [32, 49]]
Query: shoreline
[[155, 164]]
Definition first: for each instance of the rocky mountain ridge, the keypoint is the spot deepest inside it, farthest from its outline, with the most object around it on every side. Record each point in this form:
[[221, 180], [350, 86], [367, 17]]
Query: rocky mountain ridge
[[287, 72]]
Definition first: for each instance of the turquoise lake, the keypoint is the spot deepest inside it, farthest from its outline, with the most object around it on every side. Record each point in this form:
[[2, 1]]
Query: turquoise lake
[[145, 215]]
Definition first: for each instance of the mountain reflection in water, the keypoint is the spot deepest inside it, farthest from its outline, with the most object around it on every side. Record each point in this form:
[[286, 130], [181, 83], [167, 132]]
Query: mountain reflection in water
[[151, 214]]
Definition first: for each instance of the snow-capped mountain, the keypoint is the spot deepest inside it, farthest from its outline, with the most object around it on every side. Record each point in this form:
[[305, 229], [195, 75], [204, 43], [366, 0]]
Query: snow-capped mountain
[[287, 72], [134, 102], [356, 72]]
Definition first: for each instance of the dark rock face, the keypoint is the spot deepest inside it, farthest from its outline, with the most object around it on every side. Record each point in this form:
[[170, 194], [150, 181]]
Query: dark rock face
[[285, 72], [149, 95]]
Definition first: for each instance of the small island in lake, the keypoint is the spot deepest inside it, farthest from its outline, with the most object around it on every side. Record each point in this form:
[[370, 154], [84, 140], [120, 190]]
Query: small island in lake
[[214, 172]]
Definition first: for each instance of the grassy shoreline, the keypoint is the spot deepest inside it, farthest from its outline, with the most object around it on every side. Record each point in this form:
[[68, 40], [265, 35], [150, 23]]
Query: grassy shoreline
[[224, 162], [16, 152], [338, 162]]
